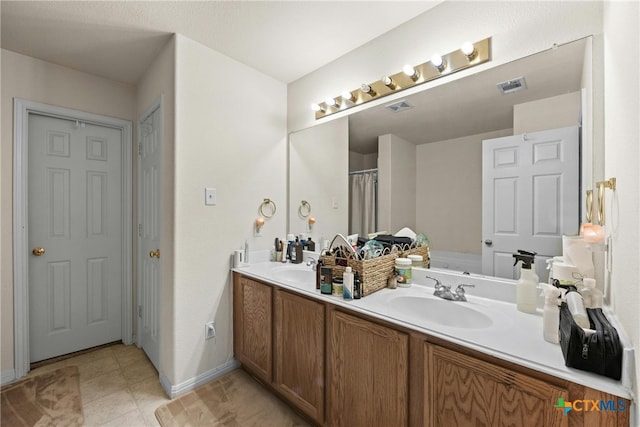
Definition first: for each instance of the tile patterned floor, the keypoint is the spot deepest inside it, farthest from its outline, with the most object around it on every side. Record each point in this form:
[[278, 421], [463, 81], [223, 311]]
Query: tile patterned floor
[[118, 384], [119, 387]]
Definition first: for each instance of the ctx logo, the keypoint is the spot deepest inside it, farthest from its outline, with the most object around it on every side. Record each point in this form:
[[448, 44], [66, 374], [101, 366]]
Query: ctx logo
[[590, 405]]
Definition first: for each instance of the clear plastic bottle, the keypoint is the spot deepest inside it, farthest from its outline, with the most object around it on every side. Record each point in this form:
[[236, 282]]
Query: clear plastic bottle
[[550, 313], [592, 296], [576, 307]]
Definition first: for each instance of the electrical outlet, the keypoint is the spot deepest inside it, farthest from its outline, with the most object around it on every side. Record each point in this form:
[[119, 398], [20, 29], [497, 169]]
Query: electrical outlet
[[210, 330]]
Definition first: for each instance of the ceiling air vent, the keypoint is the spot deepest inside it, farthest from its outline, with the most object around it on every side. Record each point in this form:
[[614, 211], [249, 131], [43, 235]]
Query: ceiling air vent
[[513, 85], [399, 106]]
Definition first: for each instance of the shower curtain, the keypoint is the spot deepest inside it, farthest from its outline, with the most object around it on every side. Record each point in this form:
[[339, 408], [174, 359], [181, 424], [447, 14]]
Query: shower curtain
[[362, 203]]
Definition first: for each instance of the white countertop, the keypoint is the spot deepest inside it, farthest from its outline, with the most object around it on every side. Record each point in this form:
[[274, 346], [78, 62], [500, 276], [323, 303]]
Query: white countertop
[[512, 335]]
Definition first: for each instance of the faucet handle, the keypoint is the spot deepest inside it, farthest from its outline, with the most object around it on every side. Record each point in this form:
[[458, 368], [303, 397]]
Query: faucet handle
[[460, 291]]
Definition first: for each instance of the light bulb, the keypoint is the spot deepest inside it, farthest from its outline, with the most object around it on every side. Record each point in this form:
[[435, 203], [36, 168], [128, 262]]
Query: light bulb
[[347, 95], [388, 82], [330, 102], [469, 50], [317, 107], [411, 72], [436, 60], [367, 89]]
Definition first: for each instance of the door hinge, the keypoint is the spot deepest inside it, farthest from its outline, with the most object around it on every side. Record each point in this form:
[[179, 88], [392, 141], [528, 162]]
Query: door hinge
[[139, 230], [139, 311]]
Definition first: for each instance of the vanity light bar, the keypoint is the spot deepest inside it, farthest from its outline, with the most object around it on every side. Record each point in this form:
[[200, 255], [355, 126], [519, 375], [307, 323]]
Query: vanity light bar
[[470, 55]]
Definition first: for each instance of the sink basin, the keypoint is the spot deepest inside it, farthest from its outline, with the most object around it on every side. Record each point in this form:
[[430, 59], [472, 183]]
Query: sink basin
[[296, 275], [443, 312]]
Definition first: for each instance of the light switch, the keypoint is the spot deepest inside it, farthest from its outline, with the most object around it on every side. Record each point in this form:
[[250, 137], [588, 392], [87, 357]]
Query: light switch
[[210, 196]]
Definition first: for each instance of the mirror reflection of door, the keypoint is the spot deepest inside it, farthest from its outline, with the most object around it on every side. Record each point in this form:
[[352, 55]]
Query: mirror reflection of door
[[530, 198]]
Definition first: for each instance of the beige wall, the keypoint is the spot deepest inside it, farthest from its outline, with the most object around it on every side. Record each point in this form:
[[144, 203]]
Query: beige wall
[[549, 113], [157, 81], [230, 133], [449, 192], [396, 184], [35, 80], [622, 157]]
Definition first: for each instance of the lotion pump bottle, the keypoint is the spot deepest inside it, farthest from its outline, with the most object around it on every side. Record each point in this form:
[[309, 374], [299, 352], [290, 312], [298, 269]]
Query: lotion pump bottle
[[347, 284], [526, 291], [550, 313]]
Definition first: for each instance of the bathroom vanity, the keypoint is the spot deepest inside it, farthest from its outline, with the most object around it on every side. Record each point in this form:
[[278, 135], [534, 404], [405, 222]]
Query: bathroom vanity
[[406, 358]]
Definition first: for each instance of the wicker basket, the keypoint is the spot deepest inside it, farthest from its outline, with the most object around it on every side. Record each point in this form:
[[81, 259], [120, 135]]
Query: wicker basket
[[421, 250], [373, 272]]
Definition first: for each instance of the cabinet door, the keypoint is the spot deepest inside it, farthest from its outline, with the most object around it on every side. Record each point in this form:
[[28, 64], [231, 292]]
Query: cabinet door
[[464, 391], [299, 352], [368, 379], [252, 323]]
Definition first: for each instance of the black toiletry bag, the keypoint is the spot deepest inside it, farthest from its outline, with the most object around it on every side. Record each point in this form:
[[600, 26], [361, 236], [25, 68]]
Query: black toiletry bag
[[600, 352]]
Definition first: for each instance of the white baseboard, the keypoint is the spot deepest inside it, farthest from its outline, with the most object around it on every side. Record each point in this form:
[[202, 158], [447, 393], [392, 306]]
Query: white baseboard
[[7, 376], [174, 391], [457, 261]]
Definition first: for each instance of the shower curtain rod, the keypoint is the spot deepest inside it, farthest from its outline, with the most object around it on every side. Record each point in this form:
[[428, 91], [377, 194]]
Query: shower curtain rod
[[363, 171]]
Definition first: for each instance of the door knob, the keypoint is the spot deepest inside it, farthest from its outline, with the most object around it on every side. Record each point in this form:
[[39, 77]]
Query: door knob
[[488, 242], [155, 254], [38, 251]]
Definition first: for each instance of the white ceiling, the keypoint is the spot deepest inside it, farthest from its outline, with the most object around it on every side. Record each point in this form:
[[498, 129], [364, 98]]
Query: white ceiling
[[119, 39]]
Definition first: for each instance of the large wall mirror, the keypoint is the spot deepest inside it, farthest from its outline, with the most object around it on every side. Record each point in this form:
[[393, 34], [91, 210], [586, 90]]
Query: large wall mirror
[[423, 157]]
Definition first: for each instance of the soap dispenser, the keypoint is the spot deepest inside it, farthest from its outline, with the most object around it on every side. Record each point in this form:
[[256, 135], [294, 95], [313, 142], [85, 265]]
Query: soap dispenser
[[526, 290]]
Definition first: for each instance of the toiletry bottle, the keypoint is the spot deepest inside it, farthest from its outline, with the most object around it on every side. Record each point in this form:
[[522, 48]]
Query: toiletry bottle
[[592, 296], [526, 290], [246, 252], [550, 313], [318, 273], [296, 252], [326, 280], [576, 307], [311, 245], [357, 286], [347, 284]]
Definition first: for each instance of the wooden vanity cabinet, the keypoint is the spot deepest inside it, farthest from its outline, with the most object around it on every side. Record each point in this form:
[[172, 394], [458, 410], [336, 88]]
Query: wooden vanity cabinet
[[299, 352], [380, 374], [252, 326], [461, 390], [368, 373]]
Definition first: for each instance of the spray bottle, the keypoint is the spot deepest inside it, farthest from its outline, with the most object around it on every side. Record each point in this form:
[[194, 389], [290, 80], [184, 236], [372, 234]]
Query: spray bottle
[[550, 313], [526, 291]]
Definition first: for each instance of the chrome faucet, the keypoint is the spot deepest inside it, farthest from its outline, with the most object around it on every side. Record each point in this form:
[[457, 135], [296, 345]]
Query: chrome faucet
[[441, 290], [444, 292], [312, 262]]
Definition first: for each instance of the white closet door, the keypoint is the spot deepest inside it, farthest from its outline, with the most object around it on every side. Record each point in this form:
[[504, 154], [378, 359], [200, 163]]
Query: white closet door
[[75, 234]]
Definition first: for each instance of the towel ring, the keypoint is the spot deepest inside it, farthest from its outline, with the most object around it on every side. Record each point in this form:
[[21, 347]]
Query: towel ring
[[271, 205], [589, 205], [304, 210]]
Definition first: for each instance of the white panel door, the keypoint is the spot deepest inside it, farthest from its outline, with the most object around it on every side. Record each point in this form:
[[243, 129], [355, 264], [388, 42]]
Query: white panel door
[[530, 197], [75, 233], [149, 233]]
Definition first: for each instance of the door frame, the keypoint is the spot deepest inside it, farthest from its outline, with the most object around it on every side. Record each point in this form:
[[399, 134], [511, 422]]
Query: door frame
[[21, 110]]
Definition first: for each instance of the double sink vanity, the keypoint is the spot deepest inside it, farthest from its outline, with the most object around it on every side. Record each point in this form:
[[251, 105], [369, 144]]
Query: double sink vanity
[[405, 357]]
